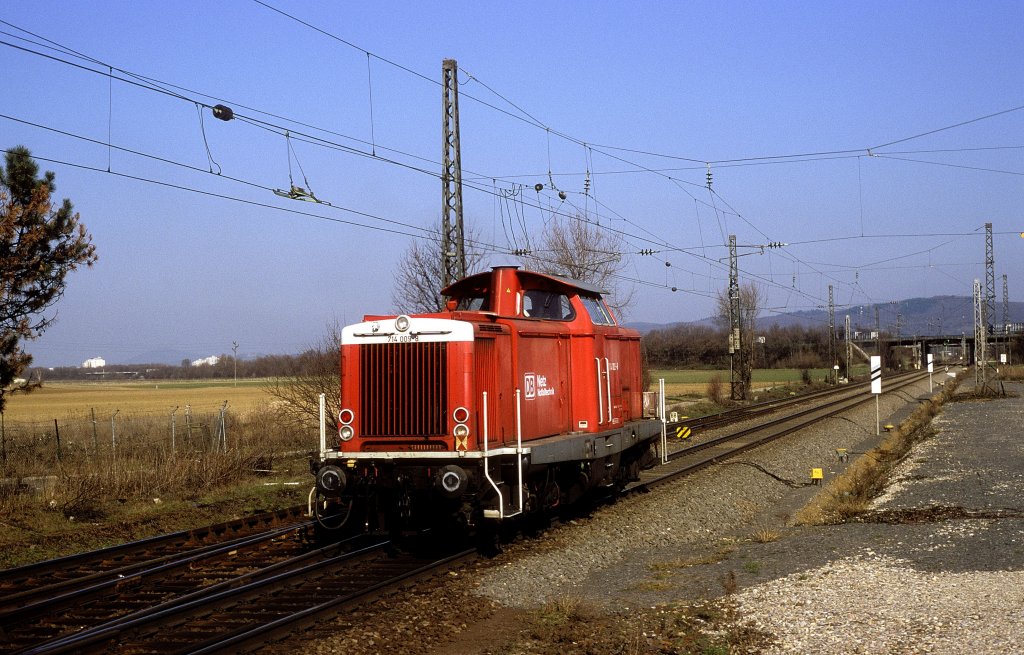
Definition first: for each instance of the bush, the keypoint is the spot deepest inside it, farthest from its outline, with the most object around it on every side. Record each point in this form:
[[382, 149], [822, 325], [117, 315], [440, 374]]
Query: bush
[[716, 390]]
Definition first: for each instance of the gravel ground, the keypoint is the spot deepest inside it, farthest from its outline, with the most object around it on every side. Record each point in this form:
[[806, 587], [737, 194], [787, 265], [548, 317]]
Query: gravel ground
[[725, 533], [622, 556], [951, 582]]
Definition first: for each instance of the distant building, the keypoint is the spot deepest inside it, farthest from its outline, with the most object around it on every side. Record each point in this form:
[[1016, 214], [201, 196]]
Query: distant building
[[95, 362], [206, 361]]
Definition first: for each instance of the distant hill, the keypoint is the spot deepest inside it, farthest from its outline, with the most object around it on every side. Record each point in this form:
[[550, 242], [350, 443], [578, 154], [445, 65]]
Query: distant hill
[[947, 315]]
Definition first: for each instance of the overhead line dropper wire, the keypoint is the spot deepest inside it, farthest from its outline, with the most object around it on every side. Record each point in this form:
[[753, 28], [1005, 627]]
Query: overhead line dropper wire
[[268, 126], [426, 233]]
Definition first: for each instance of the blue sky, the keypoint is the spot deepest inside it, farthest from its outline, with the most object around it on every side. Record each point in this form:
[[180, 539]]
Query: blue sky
[[569, 87]]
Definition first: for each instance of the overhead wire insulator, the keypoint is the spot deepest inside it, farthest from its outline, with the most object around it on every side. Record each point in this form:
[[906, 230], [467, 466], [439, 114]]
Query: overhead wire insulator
[[223, 112], [708, 176]]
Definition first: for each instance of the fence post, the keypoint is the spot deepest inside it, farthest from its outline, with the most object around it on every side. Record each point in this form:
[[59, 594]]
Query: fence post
[[113, 435], [223, 428], [173, 447], [56, 431], [95, 444], [188, 422]]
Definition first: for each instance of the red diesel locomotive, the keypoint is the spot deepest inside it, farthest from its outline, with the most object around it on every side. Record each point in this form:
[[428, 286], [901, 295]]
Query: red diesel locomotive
[[522, 396]]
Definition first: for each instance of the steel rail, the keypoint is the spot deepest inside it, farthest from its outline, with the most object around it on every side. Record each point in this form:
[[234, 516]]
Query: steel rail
[[783, 426], [757, 409], [162, 628], [288, 624], [60, 568], [35, 602]]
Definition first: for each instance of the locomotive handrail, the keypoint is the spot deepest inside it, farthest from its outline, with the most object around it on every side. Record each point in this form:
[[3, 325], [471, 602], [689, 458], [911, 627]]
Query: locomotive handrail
[[519, 449], [600, 398], [608, 384], [487, 470], [519, 462]]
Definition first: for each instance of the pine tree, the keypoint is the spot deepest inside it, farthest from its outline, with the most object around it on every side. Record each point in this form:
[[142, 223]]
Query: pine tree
[[39, 246]]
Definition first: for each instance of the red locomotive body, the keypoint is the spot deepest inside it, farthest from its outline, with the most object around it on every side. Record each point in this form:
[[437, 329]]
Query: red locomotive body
[[525, 394]]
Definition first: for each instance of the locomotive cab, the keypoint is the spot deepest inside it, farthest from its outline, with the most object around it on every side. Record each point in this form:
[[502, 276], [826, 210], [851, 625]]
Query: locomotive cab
[[524, 394]]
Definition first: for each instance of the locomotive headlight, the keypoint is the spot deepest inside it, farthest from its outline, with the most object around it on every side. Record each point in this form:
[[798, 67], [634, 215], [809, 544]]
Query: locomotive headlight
[[402, 323], [346, 416], [346, 432], [461, 415], [461, 430]]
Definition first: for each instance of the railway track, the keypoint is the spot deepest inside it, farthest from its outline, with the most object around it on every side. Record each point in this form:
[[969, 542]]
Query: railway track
[[80, 569], [769, 406], [691, 459], [190, 593], [258, 607]]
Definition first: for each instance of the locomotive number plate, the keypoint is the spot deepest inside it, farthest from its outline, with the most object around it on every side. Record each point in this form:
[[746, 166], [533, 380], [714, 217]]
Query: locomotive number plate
[[403, 338]]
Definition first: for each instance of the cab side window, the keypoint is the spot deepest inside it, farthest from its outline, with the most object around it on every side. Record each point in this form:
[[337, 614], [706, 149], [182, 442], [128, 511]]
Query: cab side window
[[599, 314], [474, 303], [547, 305]]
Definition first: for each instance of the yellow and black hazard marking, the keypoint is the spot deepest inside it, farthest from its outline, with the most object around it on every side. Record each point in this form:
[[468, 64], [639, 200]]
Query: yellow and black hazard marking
[[682, 432]]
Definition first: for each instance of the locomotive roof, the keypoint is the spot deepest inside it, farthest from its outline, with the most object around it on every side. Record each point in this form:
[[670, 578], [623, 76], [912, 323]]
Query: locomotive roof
[[482, 281]]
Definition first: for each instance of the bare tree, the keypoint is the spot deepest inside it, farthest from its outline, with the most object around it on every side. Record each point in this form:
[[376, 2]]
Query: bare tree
[[314, 372], [417, 286], [579, 249]]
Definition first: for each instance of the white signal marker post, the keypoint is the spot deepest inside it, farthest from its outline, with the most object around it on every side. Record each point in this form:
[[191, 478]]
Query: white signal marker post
[[876, 387], [661, 413], [931, 368]]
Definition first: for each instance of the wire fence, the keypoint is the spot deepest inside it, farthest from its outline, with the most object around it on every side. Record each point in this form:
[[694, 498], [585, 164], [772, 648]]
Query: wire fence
[[35, 446]]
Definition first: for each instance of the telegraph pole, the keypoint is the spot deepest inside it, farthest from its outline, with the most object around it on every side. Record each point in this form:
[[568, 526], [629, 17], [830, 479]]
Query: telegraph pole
[[737, 388], [831, 335], [453, 250]]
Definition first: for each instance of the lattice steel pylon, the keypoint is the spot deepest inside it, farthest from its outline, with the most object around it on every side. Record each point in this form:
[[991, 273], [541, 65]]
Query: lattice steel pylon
[[849, 349], [1006, 308], [453, 248], [831, 337], [990, 280], [979, 337], [737, 388], [988, 313]]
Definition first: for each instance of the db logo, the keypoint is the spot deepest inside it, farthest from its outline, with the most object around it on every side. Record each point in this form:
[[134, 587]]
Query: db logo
[[531, 385]]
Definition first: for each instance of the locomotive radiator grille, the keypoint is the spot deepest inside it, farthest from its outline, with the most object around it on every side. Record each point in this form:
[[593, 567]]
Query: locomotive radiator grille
[[404, 389]]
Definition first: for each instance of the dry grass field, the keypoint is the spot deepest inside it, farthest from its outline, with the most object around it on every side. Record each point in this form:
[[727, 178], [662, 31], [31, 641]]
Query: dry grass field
[[61, 400]]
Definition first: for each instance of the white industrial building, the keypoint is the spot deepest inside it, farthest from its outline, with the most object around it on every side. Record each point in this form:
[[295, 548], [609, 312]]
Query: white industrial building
[[95, 362]]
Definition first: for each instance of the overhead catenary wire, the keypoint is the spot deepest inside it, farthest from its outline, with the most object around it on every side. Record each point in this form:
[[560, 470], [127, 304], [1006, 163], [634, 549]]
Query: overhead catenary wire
[[531, 119]]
